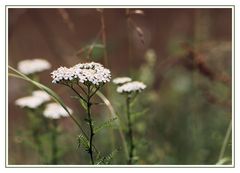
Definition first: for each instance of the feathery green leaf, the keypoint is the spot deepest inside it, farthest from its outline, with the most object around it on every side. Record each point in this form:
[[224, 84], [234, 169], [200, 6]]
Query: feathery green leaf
[[105, 125]]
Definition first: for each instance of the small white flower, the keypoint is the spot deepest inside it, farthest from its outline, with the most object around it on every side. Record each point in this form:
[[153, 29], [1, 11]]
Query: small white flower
[[30, 102], [92, 72], [41, 95], [121, 80], [63, 73], [37, 98], [55, 111], [131, 87], [32, 66]]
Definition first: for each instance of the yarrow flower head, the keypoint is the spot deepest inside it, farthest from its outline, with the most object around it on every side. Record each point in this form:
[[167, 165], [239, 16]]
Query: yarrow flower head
[[35, 100], [131, 87], [31, 66], [29, 101], [63, 74], [55, 111], [93, 73], [121, 80]]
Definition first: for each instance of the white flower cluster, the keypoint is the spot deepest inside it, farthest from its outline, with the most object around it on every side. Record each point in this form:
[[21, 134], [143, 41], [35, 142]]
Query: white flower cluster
[[36, 99], [42, 95], [92, 72], [130, 87], [31, 66], [55, 111], [121, 80]]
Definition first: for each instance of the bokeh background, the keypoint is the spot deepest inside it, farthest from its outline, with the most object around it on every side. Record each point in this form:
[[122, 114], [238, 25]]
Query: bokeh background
[[183, 55]]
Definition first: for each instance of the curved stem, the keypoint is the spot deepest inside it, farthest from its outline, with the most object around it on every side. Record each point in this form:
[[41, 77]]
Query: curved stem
[[130, 134], [225, 141]]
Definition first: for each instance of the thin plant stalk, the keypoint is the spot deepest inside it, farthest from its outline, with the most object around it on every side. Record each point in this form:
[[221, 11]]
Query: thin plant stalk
[[90, 125], [38, 142], [104, 38], [225, 141], [130, 54], [36, 135], [130, 133], [54, 134]]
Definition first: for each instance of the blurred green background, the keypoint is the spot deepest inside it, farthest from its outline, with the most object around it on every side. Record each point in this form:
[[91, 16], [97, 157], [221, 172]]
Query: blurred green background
[[184, 57]]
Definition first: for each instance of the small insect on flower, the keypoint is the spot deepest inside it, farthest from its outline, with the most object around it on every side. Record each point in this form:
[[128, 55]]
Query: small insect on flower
[[31, 66], [55, 111], [121, 80], [131, 87], [93, 73]]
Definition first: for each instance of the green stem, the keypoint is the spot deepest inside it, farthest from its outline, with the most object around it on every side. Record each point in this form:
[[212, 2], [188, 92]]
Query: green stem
[[38, 143], [54, 159], [130, 133], [90, 126], [225, 141], [35, 133]]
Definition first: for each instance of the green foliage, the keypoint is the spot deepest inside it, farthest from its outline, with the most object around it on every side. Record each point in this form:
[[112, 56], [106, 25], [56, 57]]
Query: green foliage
[[106, 124], [83, 141], [106, 160]]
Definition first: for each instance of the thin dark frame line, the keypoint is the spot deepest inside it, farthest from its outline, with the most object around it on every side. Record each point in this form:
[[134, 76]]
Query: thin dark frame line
[[124, 166], [233, 80], [124, 5], [6, 108]]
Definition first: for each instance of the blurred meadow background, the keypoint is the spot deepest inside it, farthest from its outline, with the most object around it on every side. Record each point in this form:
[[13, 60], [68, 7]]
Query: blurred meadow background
[[183, 56]]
